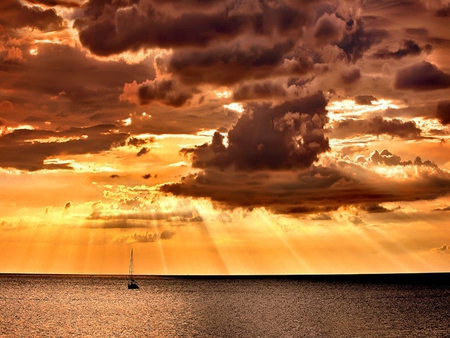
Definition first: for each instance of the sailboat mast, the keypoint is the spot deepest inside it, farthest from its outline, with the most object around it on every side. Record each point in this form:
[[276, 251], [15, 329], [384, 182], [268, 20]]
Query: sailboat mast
[[132, 283], [131, 264]]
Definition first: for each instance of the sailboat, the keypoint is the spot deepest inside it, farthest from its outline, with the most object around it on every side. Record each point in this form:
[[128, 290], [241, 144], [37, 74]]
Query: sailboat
[[132, 283]]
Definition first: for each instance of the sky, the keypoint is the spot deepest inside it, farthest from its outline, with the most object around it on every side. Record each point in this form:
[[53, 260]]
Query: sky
[[224, 136]]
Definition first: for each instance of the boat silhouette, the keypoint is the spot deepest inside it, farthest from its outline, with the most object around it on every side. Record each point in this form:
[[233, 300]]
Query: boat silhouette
[[132, 284]]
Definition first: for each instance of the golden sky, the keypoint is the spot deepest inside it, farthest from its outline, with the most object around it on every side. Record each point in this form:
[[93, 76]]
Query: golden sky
[[224, 137]]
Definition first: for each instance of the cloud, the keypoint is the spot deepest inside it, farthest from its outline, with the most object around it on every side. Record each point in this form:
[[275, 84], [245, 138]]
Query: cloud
[[260, 90], [167, 234], [287, 136], [88, 95], [350, 75], [147, 237], [136, 142], [144, 238], [376, 126], [410, 48], [358, 39], [365, 99], [12, 55], [140, 214], [6, 105], [329, 29], [443, 112], [53, 3], [26, 149], [118, 27], [374, 208], [444, 249], [443, 12], [387, 158], [322, 217], [318, 189], [143, 151], [442, 209], [15, 15], [421, 76], [427, 163], [230, 63], [165, 91]]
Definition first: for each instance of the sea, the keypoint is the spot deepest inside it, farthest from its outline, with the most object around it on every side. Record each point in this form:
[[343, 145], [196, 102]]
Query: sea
[[406, 305]]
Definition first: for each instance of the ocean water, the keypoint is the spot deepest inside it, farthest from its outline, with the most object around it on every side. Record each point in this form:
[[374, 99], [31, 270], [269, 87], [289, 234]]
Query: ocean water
[[308, 306]]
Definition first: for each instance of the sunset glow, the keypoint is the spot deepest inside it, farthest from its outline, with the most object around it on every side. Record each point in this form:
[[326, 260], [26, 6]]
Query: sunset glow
[[224, 137]]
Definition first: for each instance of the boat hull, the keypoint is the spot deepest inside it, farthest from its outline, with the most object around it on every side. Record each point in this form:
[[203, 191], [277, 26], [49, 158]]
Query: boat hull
[[133, 285]]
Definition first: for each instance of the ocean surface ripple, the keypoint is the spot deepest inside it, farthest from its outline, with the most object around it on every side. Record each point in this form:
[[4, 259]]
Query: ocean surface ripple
[[102, 306]]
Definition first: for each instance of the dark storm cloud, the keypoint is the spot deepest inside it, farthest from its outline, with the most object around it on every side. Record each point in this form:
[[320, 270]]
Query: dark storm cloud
[[350, 75], [168, 92], [443, 112], [286, 136], [136, 142], [260, 90], [329, 28], [417, 31], [376, 126], [374, 208], [55, 61], [116, 27], [410, 48], [228, 64], [443, 12], [365, 99], [189, 3], [421, 76], [357, 40], [389, 159], [142, 152], [52, 3], [28, 149], [15, 15], [65, 86], [317, 189]]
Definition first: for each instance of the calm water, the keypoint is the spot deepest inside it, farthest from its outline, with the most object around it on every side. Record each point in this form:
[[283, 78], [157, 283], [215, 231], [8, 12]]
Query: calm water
[[74, 306]]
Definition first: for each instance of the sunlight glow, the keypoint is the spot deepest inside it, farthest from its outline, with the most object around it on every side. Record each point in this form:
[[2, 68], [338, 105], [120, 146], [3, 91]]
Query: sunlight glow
[[55, 139], [236, 106], [346, 108], [79, 167], [127, 122], [430, 126], [7, 130], [223, 94], [179, 164]]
